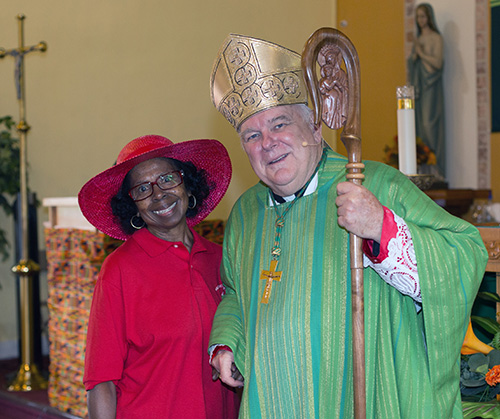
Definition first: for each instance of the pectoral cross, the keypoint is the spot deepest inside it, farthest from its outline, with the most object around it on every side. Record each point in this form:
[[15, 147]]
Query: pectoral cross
[[270, 276]]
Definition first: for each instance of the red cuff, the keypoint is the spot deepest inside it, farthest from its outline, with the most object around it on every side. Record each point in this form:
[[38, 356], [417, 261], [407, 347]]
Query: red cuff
[[221, 348], [389, 231]]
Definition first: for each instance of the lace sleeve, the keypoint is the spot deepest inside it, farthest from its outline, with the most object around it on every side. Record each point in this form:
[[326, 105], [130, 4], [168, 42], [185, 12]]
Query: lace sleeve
[[395, 262]]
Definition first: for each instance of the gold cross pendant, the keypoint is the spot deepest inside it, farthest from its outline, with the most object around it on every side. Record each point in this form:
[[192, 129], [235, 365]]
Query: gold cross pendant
[[270, 276]]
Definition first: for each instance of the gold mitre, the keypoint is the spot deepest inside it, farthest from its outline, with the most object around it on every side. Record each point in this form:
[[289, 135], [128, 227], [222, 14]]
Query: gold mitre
[[251, 75]]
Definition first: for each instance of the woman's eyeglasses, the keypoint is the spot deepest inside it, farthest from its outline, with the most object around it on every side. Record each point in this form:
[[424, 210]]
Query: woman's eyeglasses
[[165, 182]]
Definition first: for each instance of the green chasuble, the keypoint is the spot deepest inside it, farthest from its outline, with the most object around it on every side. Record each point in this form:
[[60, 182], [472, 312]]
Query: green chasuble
[[296, 351]]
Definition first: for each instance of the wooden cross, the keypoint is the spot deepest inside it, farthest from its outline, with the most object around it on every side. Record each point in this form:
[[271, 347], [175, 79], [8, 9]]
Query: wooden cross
[[270, 276]]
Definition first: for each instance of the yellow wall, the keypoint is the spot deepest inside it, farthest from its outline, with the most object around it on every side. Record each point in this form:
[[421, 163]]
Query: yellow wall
[[376, 29], [118, 69]]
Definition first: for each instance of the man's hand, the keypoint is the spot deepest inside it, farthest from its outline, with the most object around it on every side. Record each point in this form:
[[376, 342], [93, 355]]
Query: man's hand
[[359, 211], [223, 363]]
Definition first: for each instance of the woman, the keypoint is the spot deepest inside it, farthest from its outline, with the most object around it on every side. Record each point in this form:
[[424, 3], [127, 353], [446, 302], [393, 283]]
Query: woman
[[425, 67], [155, 297]]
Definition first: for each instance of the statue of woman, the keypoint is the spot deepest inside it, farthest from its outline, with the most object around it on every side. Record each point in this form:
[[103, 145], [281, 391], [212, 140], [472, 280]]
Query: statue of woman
[[425, 67], [333, 88]]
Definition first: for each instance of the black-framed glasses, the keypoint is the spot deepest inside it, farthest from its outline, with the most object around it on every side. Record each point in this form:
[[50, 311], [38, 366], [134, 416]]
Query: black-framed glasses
[[165, 182]]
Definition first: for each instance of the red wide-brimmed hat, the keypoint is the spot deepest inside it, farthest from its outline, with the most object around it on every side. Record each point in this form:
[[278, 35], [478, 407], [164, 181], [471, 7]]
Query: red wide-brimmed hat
[[210, 155]]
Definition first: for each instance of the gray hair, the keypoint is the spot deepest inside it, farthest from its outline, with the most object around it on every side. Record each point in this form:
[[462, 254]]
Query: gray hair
[[307, 115]]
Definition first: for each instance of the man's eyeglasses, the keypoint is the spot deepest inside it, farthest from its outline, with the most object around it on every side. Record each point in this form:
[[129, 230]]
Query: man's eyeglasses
[[165, 182]]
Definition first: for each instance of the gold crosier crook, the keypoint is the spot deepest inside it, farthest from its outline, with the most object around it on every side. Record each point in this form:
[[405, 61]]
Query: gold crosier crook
[[323, 40], [28, 377]]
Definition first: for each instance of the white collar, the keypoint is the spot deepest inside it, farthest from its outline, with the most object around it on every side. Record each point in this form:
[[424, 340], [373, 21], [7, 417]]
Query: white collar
[[313, 185]]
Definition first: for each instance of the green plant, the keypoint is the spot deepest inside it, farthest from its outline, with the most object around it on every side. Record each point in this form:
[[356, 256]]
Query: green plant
[[9, 174], [487, 323]]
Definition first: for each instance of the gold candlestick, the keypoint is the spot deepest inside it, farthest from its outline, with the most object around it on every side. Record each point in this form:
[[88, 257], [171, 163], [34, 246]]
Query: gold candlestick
[[28, 377]]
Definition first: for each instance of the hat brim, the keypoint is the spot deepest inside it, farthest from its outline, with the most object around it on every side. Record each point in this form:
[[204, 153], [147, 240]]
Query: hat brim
[[210, 155]]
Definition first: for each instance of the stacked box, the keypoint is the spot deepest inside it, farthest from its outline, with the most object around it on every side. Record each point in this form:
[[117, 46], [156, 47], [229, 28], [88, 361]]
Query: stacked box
[[74, 258]]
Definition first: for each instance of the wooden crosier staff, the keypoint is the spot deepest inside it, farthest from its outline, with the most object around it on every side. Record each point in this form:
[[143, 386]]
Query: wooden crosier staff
[[332, 45], [28, 377]]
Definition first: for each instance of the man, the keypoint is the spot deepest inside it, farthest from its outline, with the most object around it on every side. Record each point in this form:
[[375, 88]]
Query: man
[[285, 321]]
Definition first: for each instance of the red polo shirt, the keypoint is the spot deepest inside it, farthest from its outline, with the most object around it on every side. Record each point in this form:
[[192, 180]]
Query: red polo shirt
[[149, 327]]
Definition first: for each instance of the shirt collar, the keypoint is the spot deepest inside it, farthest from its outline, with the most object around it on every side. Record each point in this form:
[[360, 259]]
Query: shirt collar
[[154, 246], [313, 185]]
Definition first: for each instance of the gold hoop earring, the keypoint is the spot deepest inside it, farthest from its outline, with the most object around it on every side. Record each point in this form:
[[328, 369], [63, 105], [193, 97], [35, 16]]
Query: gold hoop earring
[[132, 222], [194, 203]]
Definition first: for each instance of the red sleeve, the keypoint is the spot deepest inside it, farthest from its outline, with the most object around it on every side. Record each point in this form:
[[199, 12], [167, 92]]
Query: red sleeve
[[389, 231]]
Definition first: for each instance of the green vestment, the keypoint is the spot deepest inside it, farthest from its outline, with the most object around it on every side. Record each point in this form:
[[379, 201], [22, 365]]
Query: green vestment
[[296, 353]]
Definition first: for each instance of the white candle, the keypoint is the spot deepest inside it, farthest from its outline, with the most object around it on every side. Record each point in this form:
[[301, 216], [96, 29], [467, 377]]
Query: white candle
[[407, 145]]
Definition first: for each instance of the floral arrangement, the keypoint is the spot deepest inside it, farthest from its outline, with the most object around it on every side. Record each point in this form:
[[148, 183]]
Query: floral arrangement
[[480, 376], [424, 154], [480, 366]]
